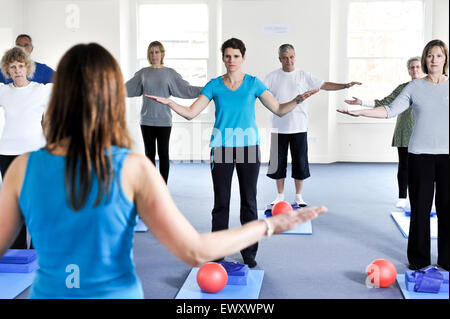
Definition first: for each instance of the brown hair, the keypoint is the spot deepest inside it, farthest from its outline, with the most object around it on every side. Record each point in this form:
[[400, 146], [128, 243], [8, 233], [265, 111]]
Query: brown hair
[[234, 44], [161, 48], [428, 47], [87, 110], [20, 55]]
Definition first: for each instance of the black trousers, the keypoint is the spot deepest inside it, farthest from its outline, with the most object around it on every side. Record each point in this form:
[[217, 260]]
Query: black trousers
[[247, 163], [21, 240], [158, 135], [425, 173], [402, 172]]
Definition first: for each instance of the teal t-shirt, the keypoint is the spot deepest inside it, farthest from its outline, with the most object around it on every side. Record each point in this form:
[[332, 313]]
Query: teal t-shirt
[[235, 124], [83, 254]]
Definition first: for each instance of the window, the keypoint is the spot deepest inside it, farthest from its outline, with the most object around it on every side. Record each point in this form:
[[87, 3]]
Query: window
[[381, 36], [183, 30]]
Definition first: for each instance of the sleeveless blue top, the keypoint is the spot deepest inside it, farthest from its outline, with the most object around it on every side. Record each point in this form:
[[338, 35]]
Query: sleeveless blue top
[[84, 254]]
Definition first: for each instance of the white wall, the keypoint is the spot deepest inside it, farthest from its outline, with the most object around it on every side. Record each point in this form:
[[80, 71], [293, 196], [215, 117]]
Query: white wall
[[10, 22], [307, 27], [314, 27], [60, 26], [440, 20]]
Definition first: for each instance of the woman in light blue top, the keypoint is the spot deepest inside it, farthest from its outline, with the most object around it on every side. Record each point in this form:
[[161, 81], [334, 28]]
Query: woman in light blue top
[[235, 138], [80, 195], [428, 150]]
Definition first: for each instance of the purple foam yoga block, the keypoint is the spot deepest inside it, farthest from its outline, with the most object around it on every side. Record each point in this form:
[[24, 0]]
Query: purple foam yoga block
[[410, 281], [19, 268], [18, 256]]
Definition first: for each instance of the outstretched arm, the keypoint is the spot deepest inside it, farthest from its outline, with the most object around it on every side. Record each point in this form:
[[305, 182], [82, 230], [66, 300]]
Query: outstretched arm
[[189, 112], [384, 101], [281, 109], [158, 211], [331, 86], [377, 112]]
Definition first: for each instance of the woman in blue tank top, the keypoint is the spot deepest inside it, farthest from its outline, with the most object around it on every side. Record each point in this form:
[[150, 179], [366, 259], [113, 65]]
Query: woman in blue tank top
[[80, 195]]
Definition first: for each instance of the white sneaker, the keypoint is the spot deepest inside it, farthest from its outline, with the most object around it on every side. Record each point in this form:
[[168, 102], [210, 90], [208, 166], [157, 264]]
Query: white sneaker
[[401, 203], [299, 201], [280, 198]]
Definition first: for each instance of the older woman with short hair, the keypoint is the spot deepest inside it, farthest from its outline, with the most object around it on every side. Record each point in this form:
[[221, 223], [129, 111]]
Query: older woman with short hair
[[24, 103]]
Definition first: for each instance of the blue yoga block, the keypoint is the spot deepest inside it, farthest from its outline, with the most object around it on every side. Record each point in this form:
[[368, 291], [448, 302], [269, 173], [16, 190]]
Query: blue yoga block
[[238, 277], [411, 281], [18, 256], [237, 280], [407, 211], [19, 268]]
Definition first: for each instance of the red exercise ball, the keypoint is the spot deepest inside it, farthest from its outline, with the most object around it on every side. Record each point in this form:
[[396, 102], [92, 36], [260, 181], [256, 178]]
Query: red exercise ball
[[212, 277], [381, 273], [280, 208]]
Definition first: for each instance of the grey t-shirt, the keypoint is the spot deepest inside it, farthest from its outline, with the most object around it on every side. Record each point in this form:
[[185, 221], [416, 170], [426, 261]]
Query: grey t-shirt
[[429, 102], [164, 82]]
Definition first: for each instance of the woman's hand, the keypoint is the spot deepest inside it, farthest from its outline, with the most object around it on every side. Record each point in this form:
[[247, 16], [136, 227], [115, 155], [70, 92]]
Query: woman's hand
[[289, 220], [354, 113], [301, 97], [188, 112], [355, 101], [159, 99]]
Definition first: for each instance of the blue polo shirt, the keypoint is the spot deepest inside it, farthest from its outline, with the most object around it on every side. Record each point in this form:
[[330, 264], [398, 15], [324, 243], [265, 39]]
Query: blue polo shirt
[[235, 124], [43, 74]]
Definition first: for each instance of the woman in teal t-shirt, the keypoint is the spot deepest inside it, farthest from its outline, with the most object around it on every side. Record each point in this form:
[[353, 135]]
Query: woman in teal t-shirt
[[235, 139]]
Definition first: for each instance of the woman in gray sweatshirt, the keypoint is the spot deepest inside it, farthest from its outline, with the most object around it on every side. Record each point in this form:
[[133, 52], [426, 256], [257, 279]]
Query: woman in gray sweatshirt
[[428, 152], [156, 119]]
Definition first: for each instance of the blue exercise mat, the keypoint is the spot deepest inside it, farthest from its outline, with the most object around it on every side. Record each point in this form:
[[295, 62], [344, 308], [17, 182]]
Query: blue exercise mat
[[418, 295], [302, 229], [402, 222], [140, 226], [13, 284], [191, 290]]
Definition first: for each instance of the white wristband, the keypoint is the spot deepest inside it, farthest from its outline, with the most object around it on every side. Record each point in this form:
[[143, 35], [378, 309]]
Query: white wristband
[[269, 231]]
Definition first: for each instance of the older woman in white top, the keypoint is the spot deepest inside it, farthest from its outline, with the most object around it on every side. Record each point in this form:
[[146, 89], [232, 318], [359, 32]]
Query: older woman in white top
[[24, 103], [428, 152]]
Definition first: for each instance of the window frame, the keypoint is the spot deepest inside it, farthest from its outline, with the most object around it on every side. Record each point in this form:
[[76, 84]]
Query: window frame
[[344, 69], [207, 116]]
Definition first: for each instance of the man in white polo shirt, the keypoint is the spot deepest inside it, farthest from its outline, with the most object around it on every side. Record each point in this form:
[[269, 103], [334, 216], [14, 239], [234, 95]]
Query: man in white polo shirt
[[291, 129]]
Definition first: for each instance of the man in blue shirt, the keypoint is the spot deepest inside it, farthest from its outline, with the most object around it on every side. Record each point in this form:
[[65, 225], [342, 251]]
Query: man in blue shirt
[[43, 73]]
